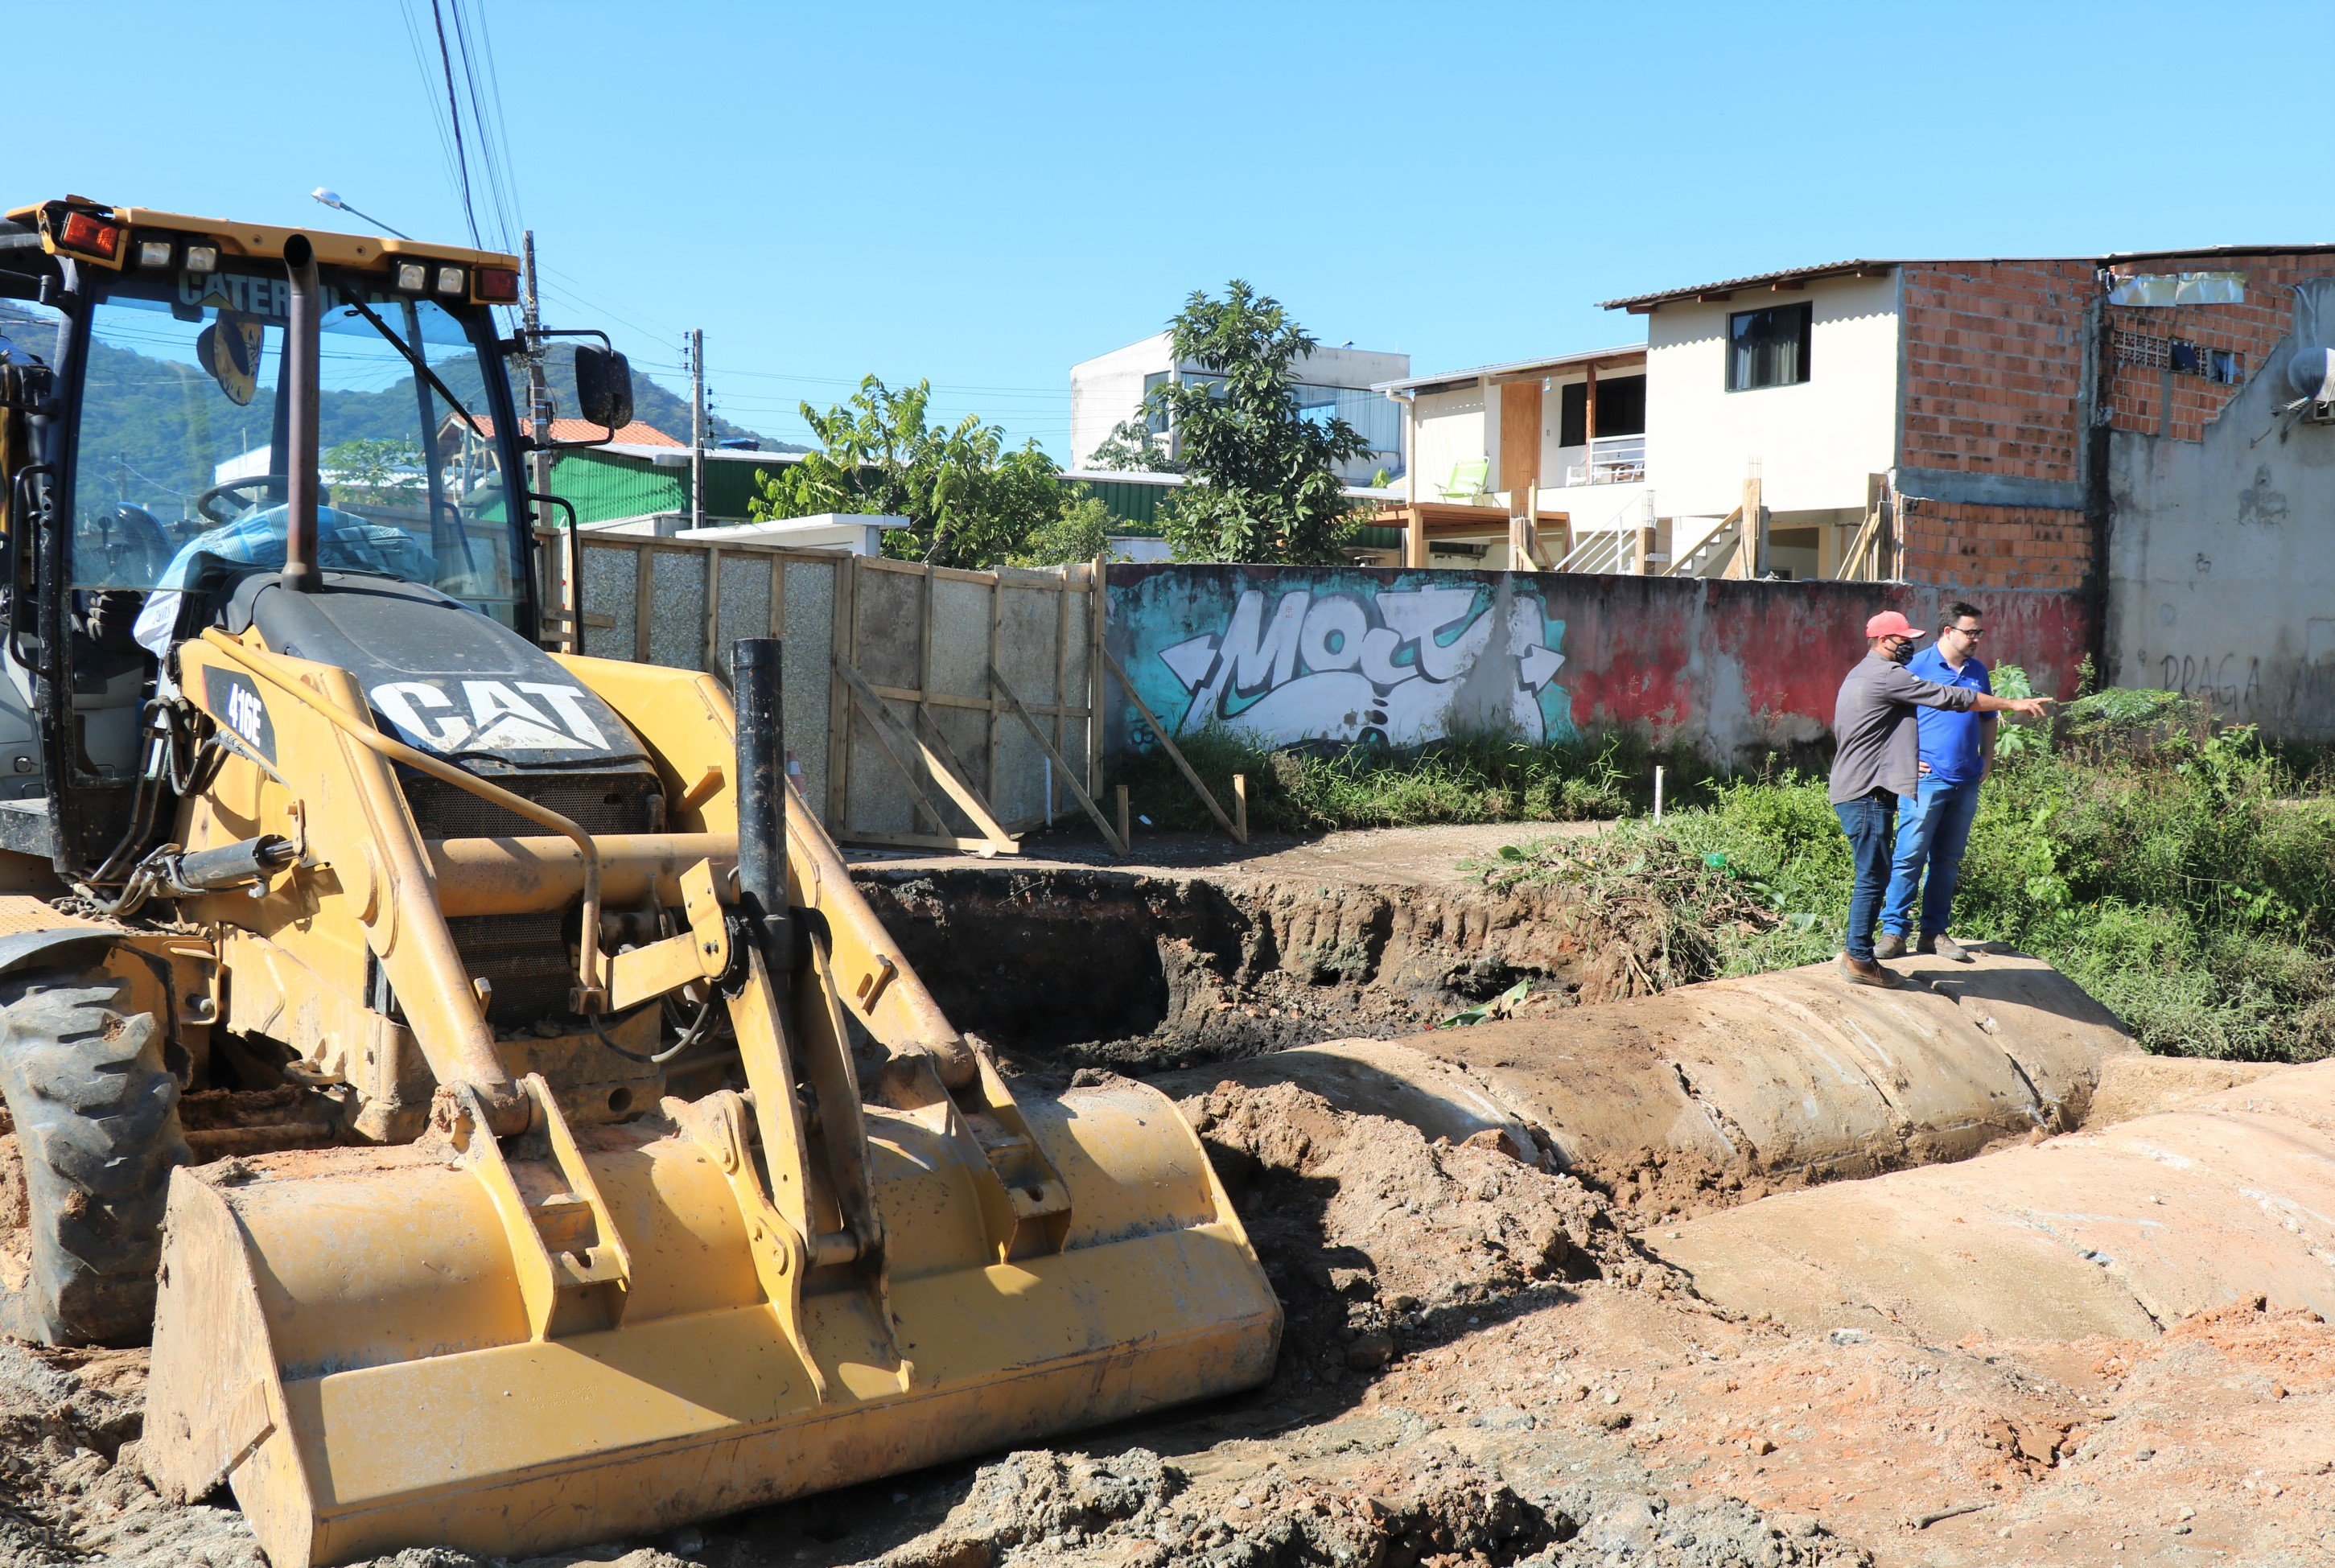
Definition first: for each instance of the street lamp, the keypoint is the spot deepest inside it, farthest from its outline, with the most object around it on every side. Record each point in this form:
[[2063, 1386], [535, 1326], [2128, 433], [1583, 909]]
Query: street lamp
[[332, 198]]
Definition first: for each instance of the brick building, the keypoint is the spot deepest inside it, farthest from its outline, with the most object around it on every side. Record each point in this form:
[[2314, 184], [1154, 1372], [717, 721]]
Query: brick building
[[2129, 426]]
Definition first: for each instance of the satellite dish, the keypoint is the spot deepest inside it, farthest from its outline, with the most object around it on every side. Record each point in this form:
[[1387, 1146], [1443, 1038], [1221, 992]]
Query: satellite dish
[[2311, 374]]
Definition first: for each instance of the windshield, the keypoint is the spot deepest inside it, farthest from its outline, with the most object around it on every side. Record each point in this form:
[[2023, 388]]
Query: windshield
[[181, 420]]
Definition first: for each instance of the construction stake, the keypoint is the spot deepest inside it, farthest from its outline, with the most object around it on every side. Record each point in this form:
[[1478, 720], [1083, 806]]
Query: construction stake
[[1128, 844], [1174, 754], [1240, 805], [1070, 775]]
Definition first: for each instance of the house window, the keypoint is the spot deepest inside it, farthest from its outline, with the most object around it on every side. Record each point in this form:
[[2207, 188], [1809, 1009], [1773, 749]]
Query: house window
[[1157, 419], [1767, 347], [1621, 409]]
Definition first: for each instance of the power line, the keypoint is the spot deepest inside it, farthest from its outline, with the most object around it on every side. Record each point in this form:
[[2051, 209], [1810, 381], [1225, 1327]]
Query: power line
[[454, 109], [486, 115]]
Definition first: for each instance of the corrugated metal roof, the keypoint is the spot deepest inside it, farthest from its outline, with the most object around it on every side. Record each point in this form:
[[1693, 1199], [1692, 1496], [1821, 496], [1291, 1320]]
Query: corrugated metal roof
[[1729, 285], [1513, 368], [1642, 302], [639, 433]]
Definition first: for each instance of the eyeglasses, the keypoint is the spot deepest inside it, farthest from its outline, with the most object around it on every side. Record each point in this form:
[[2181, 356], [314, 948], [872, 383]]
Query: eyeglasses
[[1973, 632]]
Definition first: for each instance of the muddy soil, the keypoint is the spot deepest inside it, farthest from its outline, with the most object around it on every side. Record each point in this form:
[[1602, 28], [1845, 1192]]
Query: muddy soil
[[1152, 966], [1481, 1367]]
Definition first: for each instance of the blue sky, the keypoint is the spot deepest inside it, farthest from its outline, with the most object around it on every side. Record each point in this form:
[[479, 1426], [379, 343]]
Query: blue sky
[[984, 194]]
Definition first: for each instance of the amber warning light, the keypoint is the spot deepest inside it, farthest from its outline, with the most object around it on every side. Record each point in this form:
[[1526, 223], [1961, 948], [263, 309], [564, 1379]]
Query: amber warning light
[[86, 234], [496, 284]]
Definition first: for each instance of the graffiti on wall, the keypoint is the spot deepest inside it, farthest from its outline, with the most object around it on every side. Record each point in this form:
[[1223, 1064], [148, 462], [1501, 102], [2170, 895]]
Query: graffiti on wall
[[1351, 657]]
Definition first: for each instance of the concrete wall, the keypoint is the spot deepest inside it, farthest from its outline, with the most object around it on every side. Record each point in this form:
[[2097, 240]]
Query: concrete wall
[[1732, 669], [1816, 442], [1450, 428], [1105, 390], [2222, 558]]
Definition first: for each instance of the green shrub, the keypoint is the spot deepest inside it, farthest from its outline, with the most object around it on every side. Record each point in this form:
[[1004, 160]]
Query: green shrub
[[1321, 788], [2179, 873]]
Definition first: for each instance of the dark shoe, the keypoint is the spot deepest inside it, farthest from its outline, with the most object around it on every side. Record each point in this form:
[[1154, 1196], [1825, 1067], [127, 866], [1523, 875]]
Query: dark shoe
[[1943, 945], [1888, 944], [1866, 972]]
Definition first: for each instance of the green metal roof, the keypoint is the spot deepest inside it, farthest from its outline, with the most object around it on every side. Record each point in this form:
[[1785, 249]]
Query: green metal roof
[[603, 485]]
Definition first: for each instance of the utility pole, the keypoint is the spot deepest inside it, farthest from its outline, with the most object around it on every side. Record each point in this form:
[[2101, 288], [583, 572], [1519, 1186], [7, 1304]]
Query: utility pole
[[696, 427], [539, 414]]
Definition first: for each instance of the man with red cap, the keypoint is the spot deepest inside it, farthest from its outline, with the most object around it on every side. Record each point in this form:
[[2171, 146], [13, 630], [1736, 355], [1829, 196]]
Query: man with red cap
[[1877, 762]]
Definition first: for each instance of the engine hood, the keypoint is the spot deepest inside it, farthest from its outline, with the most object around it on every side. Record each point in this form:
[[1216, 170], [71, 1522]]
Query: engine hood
[[440, 675]]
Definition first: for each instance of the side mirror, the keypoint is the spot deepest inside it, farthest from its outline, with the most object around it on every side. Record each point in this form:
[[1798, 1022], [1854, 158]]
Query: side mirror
[[604, 386]]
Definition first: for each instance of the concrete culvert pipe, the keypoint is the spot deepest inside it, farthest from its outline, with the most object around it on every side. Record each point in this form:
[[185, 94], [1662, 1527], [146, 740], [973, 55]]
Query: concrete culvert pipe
[[2227, 1198], [1711, 1093]]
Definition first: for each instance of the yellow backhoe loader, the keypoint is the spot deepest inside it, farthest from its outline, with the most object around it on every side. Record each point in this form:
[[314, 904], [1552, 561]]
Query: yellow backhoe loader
[[659, 1187]]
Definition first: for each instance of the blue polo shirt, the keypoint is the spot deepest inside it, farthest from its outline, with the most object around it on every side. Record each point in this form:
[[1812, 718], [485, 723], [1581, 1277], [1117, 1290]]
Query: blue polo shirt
[[1950, 741]]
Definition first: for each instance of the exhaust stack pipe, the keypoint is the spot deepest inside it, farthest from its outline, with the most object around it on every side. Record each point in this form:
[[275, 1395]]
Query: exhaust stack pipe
[[755, 665], [302, 329]]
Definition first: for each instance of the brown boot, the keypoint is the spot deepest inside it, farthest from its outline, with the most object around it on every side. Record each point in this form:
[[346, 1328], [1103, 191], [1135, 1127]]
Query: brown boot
[[1942, 945], [1866, 972], [1888, 944]]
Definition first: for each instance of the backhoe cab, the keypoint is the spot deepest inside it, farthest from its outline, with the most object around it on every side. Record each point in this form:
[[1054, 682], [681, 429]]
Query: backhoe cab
[[643, 1180]]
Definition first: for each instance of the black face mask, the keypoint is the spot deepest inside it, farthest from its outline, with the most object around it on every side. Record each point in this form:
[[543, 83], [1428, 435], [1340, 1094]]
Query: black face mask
[[1902, 654]]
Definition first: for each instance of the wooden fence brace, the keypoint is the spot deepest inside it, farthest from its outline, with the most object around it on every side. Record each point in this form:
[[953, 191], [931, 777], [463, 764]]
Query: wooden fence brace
[[1125, 835], [1069, 776], [882, 717], [1174, 752]]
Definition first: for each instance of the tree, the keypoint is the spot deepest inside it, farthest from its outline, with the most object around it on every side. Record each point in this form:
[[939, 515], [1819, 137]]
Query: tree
[[1079, 532], [1261, 476], [374, 469], [1132, 447], [969, 502]]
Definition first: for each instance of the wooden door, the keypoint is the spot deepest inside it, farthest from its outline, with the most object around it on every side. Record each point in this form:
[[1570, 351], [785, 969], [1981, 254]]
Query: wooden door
[[1520, 439]]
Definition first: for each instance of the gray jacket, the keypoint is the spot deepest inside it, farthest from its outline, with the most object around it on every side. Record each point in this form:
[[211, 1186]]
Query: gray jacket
[[1872, 723]]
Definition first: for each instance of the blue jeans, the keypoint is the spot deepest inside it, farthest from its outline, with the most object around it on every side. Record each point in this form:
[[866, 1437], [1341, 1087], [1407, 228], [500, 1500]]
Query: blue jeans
[[1936, 830], [1870, 822]]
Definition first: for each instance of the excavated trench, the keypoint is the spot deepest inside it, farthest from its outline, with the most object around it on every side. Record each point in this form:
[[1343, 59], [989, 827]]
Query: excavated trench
[[1066, 967]]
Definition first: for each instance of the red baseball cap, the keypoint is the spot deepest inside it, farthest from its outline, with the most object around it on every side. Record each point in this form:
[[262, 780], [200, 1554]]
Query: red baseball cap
[[1890, 623]]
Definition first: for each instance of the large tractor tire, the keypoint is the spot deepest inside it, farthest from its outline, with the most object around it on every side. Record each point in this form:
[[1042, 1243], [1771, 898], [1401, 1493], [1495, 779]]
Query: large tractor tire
[[97, 1135]]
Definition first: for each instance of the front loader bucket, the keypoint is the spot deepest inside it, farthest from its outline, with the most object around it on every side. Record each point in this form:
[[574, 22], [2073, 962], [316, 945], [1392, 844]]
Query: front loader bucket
[[368, 1347]]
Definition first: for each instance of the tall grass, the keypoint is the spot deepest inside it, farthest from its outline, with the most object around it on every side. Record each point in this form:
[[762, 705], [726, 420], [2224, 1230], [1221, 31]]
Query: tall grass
[[2180, 873], [1467, 778]]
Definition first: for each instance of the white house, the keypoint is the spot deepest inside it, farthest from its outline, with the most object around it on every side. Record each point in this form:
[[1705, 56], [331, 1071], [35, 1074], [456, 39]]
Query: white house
[[1107, 390], [1783, 391]]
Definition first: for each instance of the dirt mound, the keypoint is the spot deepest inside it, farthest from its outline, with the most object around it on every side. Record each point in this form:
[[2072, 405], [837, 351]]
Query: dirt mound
[[1375, 1238], [1039, 1507]]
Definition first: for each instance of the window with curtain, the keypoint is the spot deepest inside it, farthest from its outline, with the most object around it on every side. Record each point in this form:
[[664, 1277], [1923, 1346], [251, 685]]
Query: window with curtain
[[1767, 347]]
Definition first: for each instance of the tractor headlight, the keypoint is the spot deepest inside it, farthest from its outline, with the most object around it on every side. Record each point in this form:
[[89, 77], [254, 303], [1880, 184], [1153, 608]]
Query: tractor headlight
[[154, 253], [412, 277], [202, 257], [450, 281]]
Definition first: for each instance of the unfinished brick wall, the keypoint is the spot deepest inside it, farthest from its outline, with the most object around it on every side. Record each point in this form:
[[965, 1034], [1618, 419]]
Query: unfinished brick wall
[[2149, 397], [1993, 385], [1954, 545], [1994, 366]]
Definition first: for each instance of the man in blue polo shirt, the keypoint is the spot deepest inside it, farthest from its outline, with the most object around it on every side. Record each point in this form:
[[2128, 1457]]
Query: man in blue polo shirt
[[1956, 746]]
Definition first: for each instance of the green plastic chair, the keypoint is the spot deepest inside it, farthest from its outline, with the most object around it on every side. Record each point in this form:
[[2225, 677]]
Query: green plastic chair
[[1467, 481]]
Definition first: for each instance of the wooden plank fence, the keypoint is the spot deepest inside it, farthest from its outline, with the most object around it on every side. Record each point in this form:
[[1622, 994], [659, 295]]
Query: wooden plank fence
[[902, 681]]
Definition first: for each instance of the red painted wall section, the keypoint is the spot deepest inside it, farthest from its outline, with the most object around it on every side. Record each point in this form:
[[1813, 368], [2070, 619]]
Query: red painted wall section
[[1732, 669]]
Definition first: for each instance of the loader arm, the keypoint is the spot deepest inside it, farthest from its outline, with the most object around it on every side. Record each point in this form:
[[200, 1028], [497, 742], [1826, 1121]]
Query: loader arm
[[746, 1297]]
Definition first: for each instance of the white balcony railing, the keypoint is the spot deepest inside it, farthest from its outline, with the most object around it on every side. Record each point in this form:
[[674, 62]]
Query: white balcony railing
[[1613, 460]]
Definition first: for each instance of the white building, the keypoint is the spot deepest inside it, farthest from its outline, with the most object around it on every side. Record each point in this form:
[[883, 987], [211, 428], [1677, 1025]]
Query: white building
[[1781, 394], [1107, 390]]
